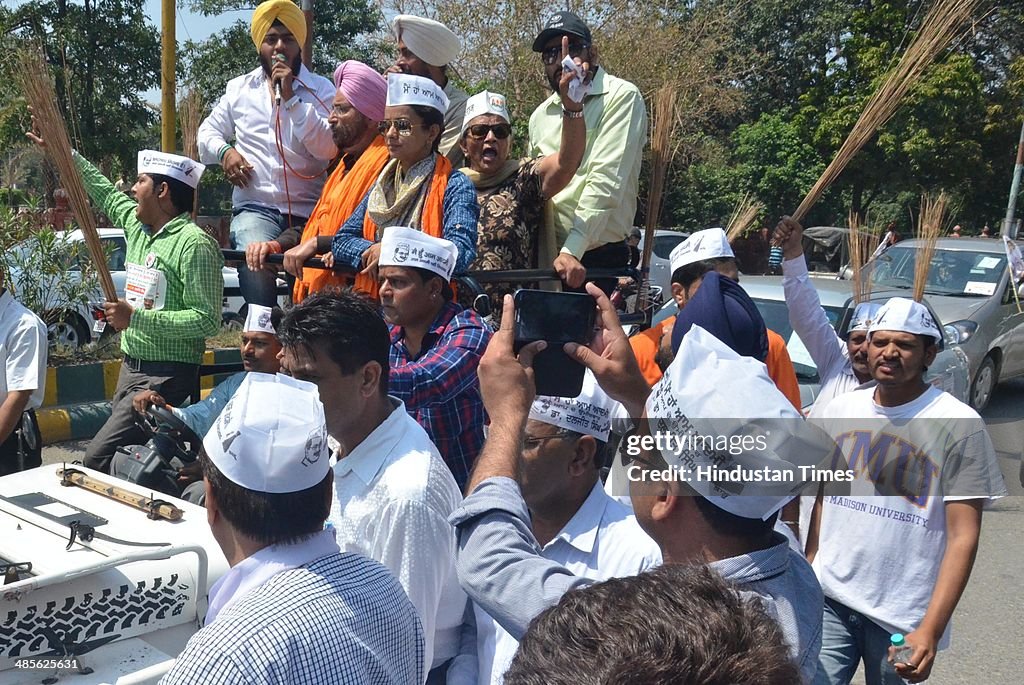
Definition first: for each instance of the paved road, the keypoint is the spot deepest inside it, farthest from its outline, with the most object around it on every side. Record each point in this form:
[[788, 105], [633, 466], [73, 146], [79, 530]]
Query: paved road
[[988, 634]]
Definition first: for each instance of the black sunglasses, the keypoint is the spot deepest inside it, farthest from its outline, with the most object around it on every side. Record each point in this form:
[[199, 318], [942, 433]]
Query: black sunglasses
[[403, 126], [480, 131], [554, 53]]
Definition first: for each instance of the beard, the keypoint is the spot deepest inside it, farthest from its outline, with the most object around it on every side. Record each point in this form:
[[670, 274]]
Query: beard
[[345, 135], [268, 66]]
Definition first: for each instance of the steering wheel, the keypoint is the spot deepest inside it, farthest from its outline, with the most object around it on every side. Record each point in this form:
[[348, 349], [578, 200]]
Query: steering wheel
[[170, 435]]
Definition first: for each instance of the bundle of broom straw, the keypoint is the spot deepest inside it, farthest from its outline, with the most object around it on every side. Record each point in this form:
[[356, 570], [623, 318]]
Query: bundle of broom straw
[[939, 28], [190, 114], [862, 246], [743, 216], [37, 85], [661, 156], [929, 227]]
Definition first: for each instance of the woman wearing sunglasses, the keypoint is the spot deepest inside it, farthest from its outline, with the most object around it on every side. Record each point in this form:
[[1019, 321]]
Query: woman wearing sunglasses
[[512, 193], [417, 188]]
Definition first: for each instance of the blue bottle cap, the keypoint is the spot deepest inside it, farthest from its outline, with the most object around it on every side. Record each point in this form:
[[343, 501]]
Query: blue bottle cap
[[897, 640]]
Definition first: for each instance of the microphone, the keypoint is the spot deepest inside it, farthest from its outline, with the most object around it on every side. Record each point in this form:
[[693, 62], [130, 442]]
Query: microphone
[[278, 57]]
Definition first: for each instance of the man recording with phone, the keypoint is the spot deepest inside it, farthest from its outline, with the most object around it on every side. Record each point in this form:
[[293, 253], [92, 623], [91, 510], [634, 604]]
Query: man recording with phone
[[279, 108]]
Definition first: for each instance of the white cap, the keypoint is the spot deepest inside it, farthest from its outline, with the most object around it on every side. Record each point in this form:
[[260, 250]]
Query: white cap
[[697, 397], [707, 244], [258, 320], [863, 314], [402, 246], [183, 169], [430, 40], [907, 316], [590, 413], [405, 89], [271, 435], [485, 102]]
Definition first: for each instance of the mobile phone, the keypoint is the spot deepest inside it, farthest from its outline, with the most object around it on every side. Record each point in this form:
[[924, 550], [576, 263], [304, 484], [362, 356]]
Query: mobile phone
[[556, 318]]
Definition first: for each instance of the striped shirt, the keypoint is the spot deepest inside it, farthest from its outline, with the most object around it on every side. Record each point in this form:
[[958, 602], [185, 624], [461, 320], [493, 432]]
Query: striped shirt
[[440, 388], [191, 264]]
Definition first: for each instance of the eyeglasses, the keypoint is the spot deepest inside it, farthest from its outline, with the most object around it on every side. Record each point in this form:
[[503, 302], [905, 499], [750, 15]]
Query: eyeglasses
[[403, 126], [340, 111], [554, 53], [480, 131]]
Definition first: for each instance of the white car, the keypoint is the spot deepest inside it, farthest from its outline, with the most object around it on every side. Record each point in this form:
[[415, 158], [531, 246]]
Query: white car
[[76, 328], [661, 270]]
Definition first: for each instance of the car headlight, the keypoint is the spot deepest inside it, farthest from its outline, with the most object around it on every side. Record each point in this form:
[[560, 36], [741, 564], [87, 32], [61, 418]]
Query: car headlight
[[960, 332]]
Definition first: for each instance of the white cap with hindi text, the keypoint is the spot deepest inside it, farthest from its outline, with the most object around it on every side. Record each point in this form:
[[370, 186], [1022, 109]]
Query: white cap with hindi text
[[403, 246], [183, 169], [707, 244], [906, 316], [485, 102], [406, 89], [590, 413], [258, 320], [271, 436]]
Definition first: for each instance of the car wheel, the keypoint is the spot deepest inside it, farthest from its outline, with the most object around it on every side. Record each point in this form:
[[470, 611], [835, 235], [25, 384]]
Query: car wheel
[[231, 322], [983, 385], [71, 332]]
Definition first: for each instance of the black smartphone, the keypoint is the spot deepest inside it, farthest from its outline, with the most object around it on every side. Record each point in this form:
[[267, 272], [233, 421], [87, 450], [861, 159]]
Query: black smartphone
[[556, 318]]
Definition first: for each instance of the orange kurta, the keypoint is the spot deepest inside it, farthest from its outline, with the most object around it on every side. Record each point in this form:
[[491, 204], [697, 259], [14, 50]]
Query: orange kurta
[[342, 193], [780, 366]]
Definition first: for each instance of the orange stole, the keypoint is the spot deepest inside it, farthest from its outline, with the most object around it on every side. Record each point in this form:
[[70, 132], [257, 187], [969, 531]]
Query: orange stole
[[342, 193], [431, 220]]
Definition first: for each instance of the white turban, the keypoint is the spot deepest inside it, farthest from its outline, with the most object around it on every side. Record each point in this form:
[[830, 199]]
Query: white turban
[[430, 40]]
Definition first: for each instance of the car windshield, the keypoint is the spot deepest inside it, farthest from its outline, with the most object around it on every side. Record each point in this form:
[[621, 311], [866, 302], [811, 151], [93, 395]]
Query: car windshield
[[776, 318], [664, 244], [958, 273]]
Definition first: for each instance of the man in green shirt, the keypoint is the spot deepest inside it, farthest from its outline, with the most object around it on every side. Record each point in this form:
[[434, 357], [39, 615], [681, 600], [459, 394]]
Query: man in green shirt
[[173, 291], [595, 212]]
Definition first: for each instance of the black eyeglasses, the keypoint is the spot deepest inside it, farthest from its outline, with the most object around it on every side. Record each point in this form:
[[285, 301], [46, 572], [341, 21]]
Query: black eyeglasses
[[403, 126], [554, 53], [480, 131]]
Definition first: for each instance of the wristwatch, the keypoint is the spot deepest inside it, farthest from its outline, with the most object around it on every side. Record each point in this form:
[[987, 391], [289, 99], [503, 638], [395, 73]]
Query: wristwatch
[[572, 114]]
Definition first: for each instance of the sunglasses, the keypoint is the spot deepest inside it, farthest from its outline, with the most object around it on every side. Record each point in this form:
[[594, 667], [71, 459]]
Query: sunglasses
[[403, 126], [554, 53], [480, 131]]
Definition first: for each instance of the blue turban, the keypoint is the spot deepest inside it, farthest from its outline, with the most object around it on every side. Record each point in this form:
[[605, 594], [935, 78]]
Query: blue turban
[[723, 308]]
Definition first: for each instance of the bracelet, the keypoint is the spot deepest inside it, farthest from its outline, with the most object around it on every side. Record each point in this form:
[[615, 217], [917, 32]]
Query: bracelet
[[792, 523], [223, 151], [572, 113]]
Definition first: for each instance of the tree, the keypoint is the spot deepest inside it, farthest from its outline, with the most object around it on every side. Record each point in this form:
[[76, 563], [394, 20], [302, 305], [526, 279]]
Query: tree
[[102, 54]]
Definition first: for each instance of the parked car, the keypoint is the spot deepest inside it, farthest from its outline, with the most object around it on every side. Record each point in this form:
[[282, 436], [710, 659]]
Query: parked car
[[661, 271], [970, 289], [75, 328], [948, 372]]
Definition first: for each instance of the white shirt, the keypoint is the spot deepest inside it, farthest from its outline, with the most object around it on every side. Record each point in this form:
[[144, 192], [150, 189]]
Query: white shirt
[[601, 541], [246, 114], [818, 335], [879, 551], [393, 494], [23, 348]]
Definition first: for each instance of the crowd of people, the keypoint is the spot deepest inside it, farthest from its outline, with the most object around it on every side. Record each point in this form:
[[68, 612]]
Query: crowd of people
[[396, 503]]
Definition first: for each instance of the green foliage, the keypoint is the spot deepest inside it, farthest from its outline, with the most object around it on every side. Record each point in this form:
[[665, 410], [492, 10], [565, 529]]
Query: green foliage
[[102, 53], [53, 277]]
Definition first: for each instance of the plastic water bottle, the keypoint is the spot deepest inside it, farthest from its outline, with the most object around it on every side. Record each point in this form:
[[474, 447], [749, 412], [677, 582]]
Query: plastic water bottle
[[901, 652]]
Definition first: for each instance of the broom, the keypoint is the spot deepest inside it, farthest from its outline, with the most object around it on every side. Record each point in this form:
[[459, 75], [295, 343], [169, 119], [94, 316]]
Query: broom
[[862, 246], [661, 156], [929, 226], [938, 29], [37, 84], [743, 216], [190, 112]]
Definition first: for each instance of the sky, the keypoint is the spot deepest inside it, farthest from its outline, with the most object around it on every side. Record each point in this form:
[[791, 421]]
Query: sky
[[189, 26]]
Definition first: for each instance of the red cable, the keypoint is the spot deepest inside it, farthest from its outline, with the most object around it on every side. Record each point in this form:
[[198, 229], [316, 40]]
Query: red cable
[[286, 167]]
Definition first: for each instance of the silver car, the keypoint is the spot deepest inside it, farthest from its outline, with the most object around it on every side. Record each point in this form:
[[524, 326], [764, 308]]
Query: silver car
[[948, 372], [661, 269], [969, 288]]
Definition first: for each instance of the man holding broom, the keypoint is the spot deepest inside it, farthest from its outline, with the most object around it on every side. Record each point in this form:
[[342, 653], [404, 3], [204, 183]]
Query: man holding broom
[[173, 291]]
